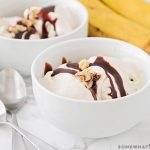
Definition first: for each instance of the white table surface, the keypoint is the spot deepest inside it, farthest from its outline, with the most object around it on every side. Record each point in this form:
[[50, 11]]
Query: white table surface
[[30, 119]]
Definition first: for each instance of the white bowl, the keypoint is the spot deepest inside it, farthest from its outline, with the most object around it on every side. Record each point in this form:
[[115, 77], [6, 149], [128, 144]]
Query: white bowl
[[19, 54], [89, 118]]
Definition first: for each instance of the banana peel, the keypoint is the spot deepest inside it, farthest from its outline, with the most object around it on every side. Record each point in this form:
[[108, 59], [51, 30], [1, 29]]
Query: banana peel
[[110, 23], [96, 32], [136, 10]]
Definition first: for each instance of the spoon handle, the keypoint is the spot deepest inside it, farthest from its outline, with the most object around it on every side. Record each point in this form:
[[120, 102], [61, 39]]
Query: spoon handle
[[20, 132], [16, 136], [18, 141]]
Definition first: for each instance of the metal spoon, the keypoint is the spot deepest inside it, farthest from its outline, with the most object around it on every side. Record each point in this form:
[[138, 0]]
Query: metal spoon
[[13, 94], [4, 122]]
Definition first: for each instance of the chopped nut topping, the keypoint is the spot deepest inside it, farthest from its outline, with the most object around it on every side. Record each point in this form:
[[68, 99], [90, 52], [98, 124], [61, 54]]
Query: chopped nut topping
[[32, 13], [83, 64], [21, 28], [17, 28], [27, 22], [13, 29], [87, 76]]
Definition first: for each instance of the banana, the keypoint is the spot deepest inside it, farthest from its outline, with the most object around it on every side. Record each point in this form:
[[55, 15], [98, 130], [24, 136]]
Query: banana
[[93, 31], [147, 48], [136, 10], [96, 32], [116, 26]]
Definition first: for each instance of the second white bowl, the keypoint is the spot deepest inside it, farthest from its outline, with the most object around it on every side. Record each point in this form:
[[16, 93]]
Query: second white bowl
[[18, 53]]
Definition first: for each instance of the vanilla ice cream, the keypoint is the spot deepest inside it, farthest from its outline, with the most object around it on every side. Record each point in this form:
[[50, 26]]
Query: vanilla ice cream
[[98, 78], [39, 23]]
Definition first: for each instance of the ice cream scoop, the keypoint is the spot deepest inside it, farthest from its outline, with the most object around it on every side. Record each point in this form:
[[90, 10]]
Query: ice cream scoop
[[98, 78], [39, 23]]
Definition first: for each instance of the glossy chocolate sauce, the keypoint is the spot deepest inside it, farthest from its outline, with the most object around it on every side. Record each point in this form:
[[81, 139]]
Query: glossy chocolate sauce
[[26, 33], [113, 93], [93, 90], [49, 9], [112, 71], [29, 33], [47, 68], [63, 70], [44, 16], [73, 65], [64, 60], [19, 35]]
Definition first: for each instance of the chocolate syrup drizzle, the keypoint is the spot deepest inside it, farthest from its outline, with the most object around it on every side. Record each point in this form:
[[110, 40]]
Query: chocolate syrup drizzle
[[73, 65], [43, 15], [19, 35], [64, 60], [49, 9], [63, 70], [29, 33], [26, 34], [113, 92], [109, 70], [112, 71], [47, 68], [93, 90]]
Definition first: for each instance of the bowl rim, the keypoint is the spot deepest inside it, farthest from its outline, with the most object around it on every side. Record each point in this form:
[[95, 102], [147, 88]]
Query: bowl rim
[[145, 86], [78, 28]]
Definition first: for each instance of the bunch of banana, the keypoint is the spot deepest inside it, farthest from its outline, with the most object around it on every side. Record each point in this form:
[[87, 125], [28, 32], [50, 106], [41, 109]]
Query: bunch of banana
[[105, 22], [93, 31], [136, 10]]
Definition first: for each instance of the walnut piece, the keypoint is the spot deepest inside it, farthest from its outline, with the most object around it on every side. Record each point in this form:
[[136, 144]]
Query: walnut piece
[[83, 64], [28, 22], [17, 28], [87, 76], [32, 13]]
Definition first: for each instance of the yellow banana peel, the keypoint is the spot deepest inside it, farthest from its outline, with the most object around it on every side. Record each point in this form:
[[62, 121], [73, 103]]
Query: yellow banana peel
[[96, 32], [136, 10], [110, 23]]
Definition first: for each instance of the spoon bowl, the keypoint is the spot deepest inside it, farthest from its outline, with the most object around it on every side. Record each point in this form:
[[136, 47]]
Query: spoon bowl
[[12, 89]]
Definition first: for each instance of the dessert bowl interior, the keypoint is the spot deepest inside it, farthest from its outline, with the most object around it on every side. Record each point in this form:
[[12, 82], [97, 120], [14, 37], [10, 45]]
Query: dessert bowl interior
[[75, 51], [19, 7], [89, 118], [27, 50]]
